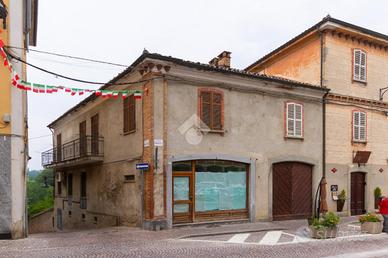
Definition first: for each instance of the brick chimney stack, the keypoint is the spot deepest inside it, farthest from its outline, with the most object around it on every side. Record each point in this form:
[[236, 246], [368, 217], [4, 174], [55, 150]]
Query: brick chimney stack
[[222, 60]]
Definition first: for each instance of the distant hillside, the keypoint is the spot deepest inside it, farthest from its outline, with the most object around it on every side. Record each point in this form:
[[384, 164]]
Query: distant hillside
[[33, 173]]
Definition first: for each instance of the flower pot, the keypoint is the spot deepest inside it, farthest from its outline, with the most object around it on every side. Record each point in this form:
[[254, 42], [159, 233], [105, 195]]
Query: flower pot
[[323, 233], [372, 227], [340, 205]]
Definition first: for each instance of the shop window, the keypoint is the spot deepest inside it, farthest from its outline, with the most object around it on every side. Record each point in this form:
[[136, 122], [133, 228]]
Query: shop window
[[220, 185], [182, 166]]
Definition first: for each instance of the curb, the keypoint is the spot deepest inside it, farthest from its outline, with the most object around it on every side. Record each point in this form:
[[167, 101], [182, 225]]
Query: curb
[[230, 232]]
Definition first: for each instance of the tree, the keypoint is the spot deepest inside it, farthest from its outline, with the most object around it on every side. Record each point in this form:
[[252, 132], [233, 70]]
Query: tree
[[40, 192]]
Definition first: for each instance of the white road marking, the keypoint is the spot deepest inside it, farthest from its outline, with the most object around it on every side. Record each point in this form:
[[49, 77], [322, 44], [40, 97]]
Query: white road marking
[[271, 238], [239, 238]]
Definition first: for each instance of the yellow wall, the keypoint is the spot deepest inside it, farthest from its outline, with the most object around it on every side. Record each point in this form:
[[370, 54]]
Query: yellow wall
[[300, 62], [5, 89]]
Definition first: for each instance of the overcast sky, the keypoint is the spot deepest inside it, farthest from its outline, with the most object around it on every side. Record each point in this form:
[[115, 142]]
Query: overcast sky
[[119, 30]]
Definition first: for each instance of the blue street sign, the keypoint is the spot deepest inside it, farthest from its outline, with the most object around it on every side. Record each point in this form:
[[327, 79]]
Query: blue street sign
[[142, 166]]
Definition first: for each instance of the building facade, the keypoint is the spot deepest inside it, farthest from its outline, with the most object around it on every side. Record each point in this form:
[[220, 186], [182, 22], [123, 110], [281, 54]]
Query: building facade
[[220, 143], [351, 61], [18, 30]]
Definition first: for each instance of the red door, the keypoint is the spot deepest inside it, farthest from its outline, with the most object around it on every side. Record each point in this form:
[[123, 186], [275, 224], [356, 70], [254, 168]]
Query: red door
[[357, 195], [292, 191]]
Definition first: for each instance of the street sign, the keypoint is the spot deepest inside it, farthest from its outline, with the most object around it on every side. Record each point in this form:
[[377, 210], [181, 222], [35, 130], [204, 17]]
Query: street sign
[[142, 166]]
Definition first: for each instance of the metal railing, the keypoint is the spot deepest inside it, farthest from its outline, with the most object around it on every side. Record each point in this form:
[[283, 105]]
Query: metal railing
[[87, 146]]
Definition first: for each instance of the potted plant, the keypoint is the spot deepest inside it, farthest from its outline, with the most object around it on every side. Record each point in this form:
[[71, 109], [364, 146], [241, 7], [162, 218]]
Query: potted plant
[[371, 223], [377, 194], [325, 227], [341, 201]]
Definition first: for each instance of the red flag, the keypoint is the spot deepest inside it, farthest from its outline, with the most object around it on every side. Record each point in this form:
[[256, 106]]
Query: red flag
[[67, 90], [5, 62], [14, 82], [3, 55], [1, 43], [17, 77], [98, 93], [20, 86]]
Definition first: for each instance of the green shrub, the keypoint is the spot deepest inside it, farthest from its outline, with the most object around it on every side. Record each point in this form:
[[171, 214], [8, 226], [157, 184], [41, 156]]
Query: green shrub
[[377, 192], [329, 220], [342, 195], [369, 217]]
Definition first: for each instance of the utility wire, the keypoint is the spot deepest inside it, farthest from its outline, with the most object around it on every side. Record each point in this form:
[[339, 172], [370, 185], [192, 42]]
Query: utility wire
[[67, 56], [38, 137], [75, 79]]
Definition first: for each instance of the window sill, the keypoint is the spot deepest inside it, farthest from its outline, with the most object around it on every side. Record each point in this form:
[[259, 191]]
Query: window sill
[[130, 132], [359, 81], [212, 131], [359, 142], [293, 138]]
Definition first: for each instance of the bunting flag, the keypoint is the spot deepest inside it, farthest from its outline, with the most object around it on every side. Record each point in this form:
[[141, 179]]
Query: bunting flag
[[49, 89]]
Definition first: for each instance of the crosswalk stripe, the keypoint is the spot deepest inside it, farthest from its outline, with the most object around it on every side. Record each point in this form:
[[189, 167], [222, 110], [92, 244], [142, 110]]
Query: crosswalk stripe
[[239, 238], [271, 238]]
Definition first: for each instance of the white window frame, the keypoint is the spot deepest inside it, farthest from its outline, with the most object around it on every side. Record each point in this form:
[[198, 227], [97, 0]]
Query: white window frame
[[358, 126], [360, 66], [292, 122]]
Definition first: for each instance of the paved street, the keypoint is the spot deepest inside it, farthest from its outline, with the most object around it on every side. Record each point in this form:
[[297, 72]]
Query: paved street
[[278, 239]]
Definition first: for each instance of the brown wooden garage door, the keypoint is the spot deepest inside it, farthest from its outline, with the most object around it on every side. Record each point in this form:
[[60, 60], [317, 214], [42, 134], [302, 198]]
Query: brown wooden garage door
[[292, 191]]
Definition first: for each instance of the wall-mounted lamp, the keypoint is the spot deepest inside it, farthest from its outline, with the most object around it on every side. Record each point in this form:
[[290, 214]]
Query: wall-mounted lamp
[[3, 13]]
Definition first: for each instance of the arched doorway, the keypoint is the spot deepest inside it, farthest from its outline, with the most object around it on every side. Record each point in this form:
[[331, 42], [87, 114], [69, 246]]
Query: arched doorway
[[357, 193], [292, 190]]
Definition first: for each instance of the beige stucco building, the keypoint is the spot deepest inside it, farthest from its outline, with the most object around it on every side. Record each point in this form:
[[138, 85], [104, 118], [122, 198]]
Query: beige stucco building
[[221, 144], [351, 61], [18, 31]]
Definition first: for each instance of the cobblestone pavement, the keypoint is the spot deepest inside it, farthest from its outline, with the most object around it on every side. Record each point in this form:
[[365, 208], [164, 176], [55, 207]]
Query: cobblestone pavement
[[236, 240]]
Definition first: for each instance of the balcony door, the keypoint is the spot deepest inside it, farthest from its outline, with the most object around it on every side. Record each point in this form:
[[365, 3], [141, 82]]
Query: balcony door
[[82, 139], [95, 134]]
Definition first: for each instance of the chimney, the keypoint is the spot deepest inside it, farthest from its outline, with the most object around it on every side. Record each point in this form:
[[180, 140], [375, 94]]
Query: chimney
[[224, 59]]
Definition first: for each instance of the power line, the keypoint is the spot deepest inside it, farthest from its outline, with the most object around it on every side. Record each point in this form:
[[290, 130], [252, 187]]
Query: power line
[[38, 137], [75, 79], [68, 56]]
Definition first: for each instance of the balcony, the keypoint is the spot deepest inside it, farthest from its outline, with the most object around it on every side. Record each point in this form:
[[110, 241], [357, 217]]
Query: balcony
[[81, 151]]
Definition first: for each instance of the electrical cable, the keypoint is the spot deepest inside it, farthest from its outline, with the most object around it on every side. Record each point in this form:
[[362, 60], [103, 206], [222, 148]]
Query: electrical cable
[[75, 79], [67, 56], [38, 137]]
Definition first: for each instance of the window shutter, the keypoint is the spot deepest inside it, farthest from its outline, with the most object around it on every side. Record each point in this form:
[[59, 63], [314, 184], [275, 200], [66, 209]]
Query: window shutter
[[362, 126], [359, 65], [217, 116], [132, 113], [206, 108], [362, 66], [126, 115], [290, 119], [298, 120], [356, 126], [359, 126], [294, 119]]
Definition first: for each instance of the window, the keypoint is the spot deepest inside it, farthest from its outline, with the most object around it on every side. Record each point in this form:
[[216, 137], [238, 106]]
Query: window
[[359, 65], [129, 114], [294, 120], [211, 109], [359, 126]]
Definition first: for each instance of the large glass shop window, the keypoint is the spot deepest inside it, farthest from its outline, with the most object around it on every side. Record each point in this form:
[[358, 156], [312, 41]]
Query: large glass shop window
[[220, 185]]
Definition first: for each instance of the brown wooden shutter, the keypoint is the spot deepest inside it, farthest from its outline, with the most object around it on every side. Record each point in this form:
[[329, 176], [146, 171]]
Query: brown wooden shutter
[[95, 134], [126, 115], [216, 111], [132, 113], [206, 108]]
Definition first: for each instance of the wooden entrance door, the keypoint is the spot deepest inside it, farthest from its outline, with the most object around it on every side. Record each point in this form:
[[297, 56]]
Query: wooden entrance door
[[357, 196], [182, 197], [292, 191]]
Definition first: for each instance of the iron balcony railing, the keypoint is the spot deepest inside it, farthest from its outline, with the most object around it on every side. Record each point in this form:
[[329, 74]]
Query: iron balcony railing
[[83, 147]]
